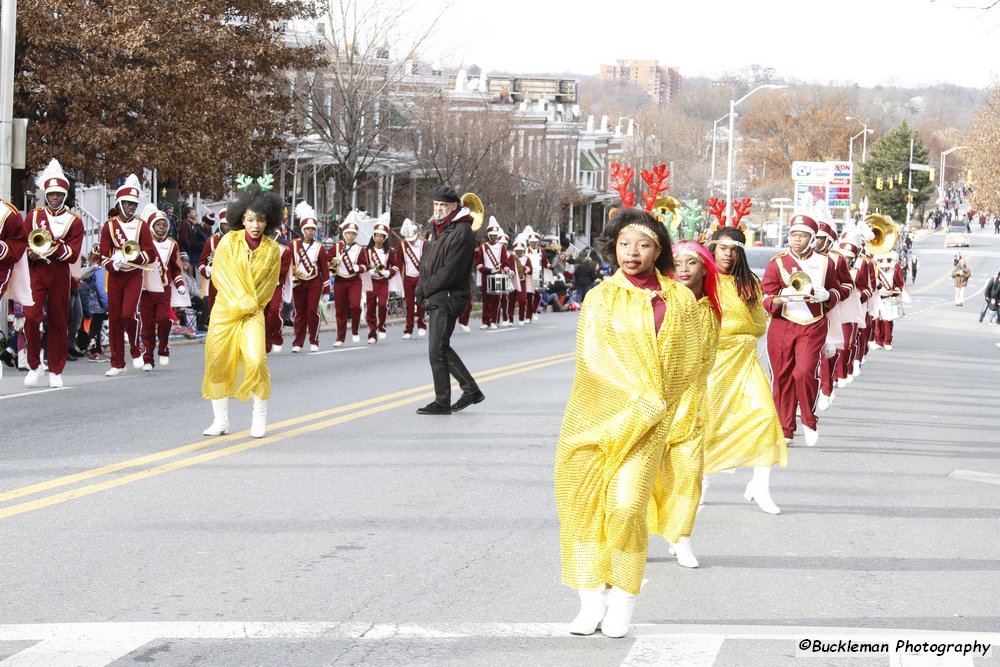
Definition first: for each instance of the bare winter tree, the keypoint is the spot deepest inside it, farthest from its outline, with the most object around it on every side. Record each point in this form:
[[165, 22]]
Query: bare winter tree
[[352, 105]]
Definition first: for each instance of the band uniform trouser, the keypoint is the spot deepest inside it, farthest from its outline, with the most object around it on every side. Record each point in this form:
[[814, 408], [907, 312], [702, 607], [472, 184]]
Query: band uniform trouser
[[347, 300], [845, 358], [826, 370], [156, 324], [306, 295], [5, 275], [211, 297], [124, 290], [534, 300], [272, 320], [795, 352], [491, 304], [520, 299], [412, 304], [883, 332], [463, 319], [867, 336], [50, 289], [502, 310], [377, 307]]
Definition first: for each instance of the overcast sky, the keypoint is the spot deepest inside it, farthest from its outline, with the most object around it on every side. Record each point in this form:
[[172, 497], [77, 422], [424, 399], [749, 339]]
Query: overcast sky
[[870, 42]]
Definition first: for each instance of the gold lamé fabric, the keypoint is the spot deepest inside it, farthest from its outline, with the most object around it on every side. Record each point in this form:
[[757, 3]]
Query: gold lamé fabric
[[743, 427], [628, 386], [235, 350], [677, 487]]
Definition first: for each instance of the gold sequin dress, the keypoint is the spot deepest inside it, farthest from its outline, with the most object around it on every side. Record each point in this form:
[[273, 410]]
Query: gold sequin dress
[[677, 489], [235, 356], [628, 385], [743, 427]]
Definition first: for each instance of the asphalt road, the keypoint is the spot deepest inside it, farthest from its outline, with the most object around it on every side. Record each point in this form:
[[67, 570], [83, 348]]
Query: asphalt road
[[359, 532]]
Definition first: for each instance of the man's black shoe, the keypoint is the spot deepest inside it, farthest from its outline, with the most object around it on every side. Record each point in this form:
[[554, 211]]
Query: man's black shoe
[[466, 400], [434, 408]]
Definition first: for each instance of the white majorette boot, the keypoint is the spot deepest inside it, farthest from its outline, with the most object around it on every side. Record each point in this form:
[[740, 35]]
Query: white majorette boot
[[620, 607], [258, 427], [593, 606], [759, 490], [682, 549], [220, 417]]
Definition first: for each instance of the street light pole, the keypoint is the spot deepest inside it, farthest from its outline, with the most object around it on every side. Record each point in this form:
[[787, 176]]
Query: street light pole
[[944, 156], [715, 126], [729, 166], [864, 143]]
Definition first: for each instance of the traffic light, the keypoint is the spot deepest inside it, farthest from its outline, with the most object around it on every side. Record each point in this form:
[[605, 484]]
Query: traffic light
[[878, 183], [892, 183], [899, 179]]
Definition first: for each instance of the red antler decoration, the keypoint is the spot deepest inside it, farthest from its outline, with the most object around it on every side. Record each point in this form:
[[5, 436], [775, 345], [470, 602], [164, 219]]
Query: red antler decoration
[[740, 209], [717, 207], [620, 178], [656, 180]]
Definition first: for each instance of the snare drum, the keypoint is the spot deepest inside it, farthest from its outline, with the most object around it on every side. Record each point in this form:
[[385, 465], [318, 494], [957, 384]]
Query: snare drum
[[891, 308], [498, 283]]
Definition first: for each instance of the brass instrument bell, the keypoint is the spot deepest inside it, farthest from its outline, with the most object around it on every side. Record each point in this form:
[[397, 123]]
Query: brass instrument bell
[[39, 240], [886, 233], [472, 202], [800, 282]]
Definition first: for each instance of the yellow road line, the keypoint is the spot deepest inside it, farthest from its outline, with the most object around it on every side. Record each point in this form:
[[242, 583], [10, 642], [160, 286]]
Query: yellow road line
[[488, 376], [934, 283], [210, 442]]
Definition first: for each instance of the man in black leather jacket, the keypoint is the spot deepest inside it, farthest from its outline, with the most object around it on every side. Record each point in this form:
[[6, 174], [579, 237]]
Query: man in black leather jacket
[[445, 283]]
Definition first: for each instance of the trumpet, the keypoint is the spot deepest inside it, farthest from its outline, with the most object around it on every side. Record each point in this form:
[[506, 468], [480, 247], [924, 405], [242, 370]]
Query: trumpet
[[40, 242], [334, 262]]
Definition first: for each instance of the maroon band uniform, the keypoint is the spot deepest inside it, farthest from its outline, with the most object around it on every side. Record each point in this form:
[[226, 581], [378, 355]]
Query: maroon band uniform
[[13, 242]]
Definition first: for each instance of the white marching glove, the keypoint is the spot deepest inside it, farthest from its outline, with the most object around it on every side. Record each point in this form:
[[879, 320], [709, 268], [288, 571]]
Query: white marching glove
[[373, 273], [118, 265], [181, 289], [788, 291], [821, 294], [117, 257], [385, 273], [829, 350], [208, 272]]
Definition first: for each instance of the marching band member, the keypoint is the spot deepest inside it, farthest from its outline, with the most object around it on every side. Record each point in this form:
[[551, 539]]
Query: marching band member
[[521, 270], [866, 338], [247, 262], [13, 243], [491, 258], [890, 281], [380, 270], [282, 295], [51, 267], [638, 350], [311, 269], [835, 343], [205, 262], [125, 276], [507, 299], [742, 428], [406, 259], [677, 489], [855, 310], [540, 264], [797, 334], [350, 260], [155, 306]]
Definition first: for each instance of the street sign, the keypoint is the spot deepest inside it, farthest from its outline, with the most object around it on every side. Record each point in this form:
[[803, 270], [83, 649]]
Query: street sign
[[829, 182], [920, 167]]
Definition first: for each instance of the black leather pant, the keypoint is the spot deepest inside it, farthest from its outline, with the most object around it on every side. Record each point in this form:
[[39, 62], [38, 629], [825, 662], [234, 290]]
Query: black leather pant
[[445, 362]]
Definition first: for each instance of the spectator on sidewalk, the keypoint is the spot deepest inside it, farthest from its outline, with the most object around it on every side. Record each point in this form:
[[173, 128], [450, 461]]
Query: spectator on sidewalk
[[585, 275], [200, 233], [94, 298], [992, 298]]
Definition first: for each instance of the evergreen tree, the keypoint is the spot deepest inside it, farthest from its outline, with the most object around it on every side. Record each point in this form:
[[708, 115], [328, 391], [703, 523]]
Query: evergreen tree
[[890, 157]]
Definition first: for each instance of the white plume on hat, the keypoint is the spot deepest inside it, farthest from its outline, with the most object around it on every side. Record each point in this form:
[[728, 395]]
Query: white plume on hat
[[52, 170], [821, 212], [408, 230], [123, 193], [385, 218], [493, 224], [149, 213], [864, 231], [304, 212]]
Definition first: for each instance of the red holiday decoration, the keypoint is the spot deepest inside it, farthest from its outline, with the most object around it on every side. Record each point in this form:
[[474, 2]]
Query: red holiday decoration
[[656, 180], [620, 178], [717, 207], [740, 208]]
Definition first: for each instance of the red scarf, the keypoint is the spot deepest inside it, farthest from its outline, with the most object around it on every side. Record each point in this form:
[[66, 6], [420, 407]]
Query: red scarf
[[652, 283], [252, 242]]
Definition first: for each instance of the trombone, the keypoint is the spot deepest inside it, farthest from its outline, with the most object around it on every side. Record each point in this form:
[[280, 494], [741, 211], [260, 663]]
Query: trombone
[[130, 252], [40, 242], [802, 284]]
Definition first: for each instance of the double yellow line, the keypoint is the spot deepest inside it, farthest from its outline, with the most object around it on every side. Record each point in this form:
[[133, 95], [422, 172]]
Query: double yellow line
[[302, 425]]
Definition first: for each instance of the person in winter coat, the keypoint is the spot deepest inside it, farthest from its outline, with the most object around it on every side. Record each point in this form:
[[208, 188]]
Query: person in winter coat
[[960, 274], [94, 298], [585, 275], [992, 299]]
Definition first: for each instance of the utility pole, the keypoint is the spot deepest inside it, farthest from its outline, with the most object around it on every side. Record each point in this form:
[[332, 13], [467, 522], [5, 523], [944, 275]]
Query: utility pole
[[8, 27], [909, 184]]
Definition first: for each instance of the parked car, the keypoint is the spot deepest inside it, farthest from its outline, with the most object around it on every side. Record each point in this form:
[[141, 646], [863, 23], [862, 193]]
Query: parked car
[[957, 236], [759, 256]]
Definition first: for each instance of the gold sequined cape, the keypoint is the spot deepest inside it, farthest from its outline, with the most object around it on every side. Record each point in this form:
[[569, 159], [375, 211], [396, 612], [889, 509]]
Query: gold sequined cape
[[628, 384], [235, 349], [743, 427], [677, 489]]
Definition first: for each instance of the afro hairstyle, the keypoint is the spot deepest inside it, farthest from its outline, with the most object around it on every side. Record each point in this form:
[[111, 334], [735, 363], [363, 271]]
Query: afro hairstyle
[[254, 199]]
